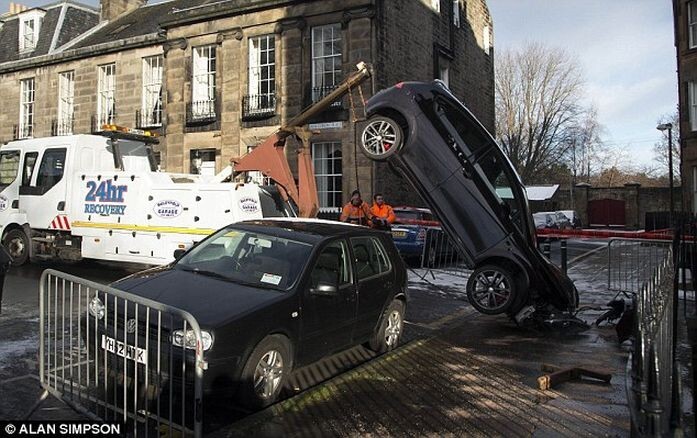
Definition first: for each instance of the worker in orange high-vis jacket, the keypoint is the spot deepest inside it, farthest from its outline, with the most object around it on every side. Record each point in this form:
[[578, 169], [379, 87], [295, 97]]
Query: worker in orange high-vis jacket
[[383, 214], [357, 211]]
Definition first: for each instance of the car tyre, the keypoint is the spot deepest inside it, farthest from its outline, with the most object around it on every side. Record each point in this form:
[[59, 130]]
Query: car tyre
[[390, 329], [382, 137], [493, 289], [17, 244], [266, 372]]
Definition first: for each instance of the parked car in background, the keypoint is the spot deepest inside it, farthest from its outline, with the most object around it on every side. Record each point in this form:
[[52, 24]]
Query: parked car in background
[[273, 295], [544, 220], [469, 183], [573, 217], [410, 229]]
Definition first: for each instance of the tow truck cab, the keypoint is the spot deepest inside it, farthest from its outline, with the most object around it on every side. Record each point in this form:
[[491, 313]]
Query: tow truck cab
[[101, 197]]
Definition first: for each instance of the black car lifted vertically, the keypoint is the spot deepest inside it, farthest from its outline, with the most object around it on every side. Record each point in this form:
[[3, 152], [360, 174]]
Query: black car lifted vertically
[[459, 170], [275, 294]]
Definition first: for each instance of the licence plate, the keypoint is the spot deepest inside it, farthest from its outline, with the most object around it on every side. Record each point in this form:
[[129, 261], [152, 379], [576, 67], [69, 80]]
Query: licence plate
[[399, 234], [119, 348]]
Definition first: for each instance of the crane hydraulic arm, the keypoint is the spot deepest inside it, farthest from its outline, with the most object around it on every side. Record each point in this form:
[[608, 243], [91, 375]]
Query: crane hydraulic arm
[[269, 157]]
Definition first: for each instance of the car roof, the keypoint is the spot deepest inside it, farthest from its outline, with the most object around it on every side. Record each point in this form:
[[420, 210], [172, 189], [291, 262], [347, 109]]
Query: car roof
[[405, 208], [303, 230]]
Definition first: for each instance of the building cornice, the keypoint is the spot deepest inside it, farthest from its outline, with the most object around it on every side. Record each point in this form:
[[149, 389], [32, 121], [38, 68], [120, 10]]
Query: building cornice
[[82, 52]]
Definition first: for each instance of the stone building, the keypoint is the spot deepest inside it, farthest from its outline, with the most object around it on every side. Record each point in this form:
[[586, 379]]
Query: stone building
[[214, 78], [685, 15]]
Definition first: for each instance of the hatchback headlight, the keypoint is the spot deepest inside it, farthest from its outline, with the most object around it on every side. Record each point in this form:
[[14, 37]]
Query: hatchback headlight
[[179, 338], [96, 308]]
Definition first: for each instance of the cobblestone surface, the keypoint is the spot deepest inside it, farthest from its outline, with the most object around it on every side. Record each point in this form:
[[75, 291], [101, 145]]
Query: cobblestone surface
[[471, 375]]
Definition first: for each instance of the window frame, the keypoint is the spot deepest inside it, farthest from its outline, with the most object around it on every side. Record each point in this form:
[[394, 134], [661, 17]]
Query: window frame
[[333, 201], [692, 104], [457, 14], [260, 73], [49, 152], [203, 82], [151, 92], [691, 24], [106, 94], [18, 154], [66, 102], [27, 99], [379, 248], [319, 87], [26, 182]]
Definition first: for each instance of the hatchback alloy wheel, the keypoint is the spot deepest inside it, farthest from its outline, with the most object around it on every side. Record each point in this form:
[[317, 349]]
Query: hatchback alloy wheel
[[268, 374], [394, 329], [381, 138], [491, 289]]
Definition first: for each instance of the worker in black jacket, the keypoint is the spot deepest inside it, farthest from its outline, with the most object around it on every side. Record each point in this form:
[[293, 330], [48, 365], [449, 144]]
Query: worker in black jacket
[[5, 261]]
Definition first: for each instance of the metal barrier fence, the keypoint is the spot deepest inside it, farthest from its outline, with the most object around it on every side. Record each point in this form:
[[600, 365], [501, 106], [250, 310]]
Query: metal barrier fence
[[632, 262], [652, 388], [440, 254], [118, 357]]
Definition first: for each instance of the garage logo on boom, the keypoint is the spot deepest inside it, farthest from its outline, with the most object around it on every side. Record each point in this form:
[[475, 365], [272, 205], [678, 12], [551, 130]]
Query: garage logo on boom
[[103, 198]]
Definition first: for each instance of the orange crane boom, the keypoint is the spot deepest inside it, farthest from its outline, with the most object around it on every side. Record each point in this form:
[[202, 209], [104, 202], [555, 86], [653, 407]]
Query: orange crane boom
[[269, 156]]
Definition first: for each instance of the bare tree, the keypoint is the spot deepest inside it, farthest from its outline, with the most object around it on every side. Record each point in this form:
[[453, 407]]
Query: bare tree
[[661, 148], [537, 107]]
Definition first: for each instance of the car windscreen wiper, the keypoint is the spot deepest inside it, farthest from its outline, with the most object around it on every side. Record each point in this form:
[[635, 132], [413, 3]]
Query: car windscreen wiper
[[206, 273]]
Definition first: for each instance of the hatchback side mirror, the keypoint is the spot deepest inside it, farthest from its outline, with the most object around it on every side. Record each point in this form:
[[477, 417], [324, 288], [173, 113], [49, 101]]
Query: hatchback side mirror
[[324, 290], [178, 253]]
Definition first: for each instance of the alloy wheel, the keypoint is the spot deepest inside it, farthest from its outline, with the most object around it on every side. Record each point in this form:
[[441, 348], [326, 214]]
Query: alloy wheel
[[379, 137], [268, 374], [393, 329], [492, 290]]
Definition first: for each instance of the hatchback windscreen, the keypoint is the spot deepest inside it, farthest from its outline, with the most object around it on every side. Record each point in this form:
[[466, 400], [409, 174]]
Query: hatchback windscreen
[[247, 257]]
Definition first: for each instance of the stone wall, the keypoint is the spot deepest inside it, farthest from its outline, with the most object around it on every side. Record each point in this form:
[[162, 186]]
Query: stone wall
[[638, 201]]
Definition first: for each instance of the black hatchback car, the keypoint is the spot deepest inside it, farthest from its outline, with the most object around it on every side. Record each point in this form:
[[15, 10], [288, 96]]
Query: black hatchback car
[[271, 295], [463, 175]]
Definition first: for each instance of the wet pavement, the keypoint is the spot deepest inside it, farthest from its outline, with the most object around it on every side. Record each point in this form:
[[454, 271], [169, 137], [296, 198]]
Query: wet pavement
[[458, 372]]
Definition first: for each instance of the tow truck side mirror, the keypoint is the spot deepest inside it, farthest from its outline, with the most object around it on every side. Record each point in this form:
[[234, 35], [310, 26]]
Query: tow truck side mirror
[[178, 253]]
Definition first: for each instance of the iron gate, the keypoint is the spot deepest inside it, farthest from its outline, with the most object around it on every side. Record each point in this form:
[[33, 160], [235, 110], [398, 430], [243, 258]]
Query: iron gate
[[118, 357]]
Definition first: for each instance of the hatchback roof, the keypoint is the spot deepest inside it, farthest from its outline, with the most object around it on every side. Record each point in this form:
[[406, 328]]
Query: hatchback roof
[[303, 230]]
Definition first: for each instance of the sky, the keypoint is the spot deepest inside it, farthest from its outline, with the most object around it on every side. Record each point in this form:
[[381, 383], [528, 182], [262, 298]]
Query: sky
[[626, 51], [625, 48]]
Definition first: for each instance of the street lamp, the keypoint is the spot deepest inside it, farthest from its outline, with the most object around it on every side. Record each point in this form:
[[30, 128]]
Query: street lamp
[[669, 127]]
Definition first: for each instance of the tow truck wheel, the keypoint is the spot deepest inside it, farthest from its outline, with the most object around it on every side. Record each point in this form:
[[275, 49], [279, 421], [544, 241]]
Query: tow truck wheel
[[492, 289], [381, 138], [17, 244]]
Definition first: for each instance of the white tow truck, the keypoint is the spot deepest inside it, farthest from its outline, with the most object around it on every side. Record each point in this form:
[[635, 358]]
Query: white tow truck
[[100, 196]]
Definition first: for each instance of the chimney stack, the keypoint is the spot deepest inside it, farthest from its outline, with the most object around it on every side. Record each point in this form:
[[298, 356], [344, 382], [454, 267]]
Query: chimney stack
[[112, 9], [16, 8]]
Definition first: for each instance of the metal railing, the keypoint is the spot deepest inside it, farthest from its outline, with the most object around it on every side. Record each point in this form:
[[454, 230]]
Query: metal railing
[[203, 111], [258, 105], [319, 92], [64, 126], [632, 262], [652, 388], [440, 255], [151, 118], [112, 356]]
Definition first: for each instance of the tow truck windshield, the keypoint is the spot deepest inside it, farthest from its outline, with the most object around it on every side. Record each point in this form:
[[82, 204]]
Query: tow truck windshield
[[9, 166]]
